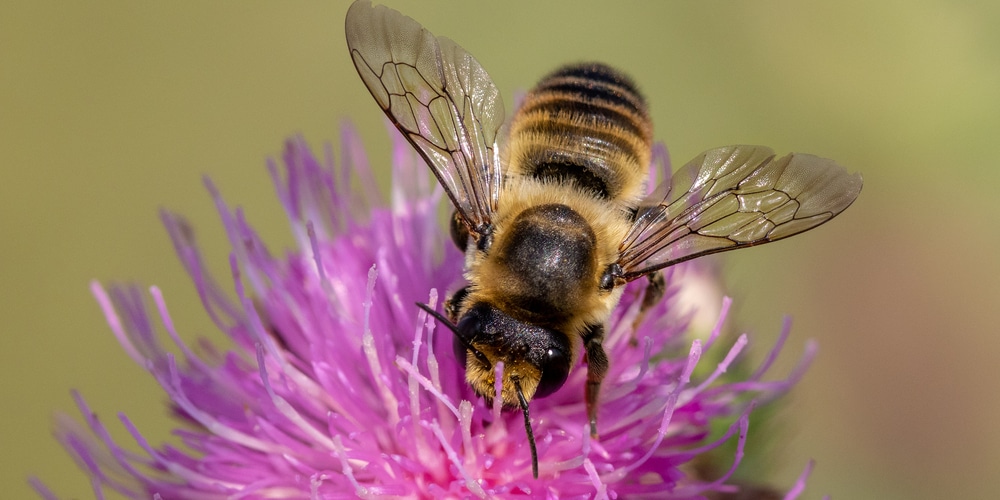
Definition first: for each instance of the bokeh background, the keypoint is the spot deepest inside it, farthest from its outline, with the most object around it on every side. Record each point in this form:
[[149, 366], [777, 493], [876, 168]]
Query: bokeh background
[[112, 109]]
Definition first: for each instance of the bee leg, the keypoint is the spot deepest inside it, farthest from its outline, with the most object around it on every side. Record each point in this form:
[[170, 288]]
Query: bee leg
[[597, 367], [654, 292], [453, 306], [459, 231]]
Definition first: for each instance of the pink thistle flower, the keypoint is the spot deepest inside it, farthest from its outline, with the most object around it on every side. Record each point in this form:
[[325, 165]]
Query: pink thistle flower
[[336, 385]]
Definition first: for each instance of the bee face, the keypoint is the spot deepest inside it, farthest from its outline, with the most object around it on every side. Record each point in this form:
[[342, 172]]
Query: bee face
[[538, 358], [557, 204]]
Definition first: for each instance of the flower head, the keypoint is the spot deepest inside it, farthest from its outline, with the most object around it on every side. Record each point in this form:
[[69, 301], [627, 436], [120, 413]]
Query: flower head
[[337, 385]]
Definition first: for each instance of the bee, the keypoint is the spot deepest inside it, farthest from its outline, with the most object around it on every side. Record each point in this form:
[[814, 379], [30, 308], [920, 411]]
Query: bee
[[553, 212]]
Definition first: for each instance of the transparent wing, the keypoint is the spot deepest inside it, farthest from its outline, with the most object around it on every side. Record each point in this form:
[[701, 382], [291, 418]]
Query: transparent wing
[[439, 97], [734, 197]]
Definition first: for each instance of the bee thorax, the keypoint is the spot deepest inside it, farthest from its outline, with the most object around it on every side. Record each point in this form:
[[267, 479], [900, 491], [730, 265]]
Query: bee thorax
[[547, 260]]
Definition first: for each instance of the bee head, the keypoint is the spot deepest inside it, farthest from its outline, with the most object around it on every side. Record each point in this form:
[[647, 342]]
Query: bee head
[[535, 358]]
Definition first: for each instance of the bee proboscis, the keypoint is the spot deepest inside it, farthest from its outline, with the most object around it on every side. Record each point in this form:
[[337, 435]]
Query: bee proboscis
[[554, 213]]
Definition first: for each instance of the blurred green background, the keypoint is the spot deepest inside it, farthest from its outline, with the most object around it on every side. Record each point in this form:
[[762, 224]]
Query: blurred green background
[[111, 109]]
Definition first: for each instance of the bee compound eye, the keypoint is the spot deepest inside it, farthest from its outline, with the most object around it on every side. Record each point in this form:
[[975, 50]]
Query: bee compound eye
[[555, 370]]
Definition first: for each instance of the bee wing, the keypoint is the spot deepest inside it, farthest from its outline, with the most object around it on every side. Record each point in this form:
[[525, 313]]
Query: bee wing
[[734, 197], [439, 97]]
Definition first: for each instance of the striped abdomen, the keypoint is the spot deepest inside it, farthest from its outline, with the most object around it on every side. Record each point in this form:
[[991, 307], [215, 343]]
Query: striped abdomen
[[585, 124]]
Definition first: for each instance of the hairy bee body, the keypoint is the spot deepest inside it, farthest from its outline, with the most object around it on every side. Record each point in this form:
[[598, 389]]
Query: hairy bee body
[[577, 153], [587, 125], [555, 215]]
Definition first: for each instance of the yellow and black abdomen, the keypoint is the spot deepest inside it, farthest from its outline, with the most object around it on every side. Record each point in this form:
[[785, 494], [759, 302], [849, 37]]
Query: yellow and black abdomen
[[585, 124]]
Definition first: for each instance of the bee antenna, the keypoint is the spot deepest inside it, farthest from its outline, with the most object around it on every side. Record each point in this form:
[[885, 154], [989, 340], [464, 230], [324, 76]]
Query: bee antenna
[[438, 316], [446, 322], [527, 427]]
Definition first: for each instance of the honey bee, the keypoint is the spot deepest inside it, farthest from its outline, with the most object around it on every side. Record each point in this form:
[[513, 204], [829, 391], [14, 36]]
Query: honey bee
[[554, 213]]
